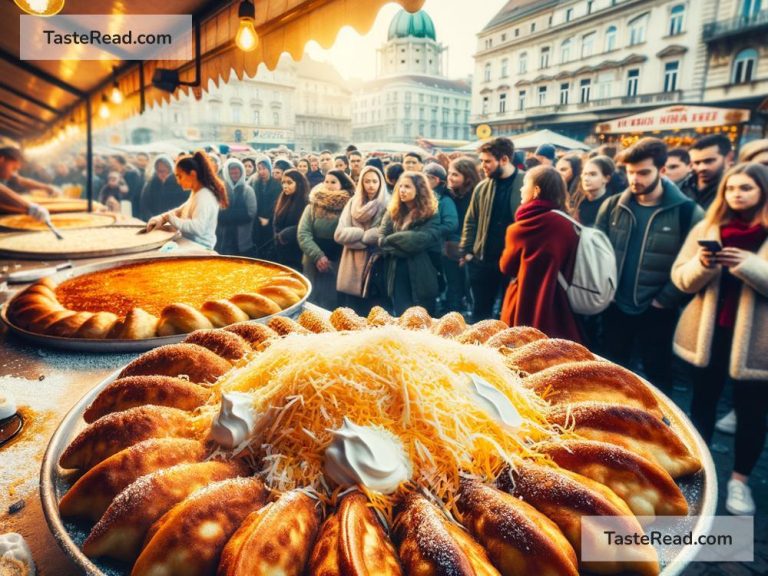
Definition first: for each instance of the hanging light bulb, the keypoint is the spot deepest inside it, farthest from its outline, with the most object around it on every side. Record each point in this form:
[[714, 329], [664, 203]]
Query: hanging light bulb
[[246, 38], [104, 107], [116, 95], [40, 7]]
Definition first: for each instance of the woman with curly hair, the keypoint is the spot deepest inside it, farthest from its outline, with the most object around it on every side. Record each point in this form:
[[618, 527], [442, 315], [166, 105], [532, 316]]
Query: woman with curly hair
[[316, 229], [409, 230], [197, 218]]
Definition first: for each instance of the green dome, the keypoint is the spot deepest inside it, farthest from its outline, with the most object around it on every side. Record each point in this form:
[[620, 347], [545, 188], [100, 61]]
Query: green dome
[[418, 25]]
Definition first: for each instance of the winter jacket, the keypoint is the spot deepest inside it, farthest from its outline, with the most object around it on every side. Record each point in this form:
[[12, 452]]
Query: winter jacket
[[477, 220], [411, 248], [234, 233], [667, 229], [449, 217], [698, 322], [158, 197], [318, 224]]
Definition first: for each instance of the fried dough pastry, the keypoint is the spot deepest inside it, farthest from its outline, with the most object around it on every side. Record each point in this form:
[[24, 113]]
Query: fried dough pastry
[[134, 391], [540, 354], [645, 486], [635, 430], [181, 319], [450, 325], [93, 492], [290, 282], [415, 318], [138, 323], [519, 539], [256, 334], [120, 532], [593, 381], [352, 542], [276, 539], [380, 317], [284, 326], [189, 538], [228, 345], [515, 336], [315, 323], [564, 497], [430, 544], [198, 364], [222, 313], [97, 326], [255, 305], [67, 326], [281, 295], [115, 432], [481, 331], [347, 319]]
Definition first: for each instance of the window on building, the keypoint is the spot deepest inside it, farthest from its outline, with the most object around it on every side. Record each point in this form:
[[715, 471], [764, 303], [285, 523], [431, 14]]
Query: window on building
[[544, 57], [671, 70], [485, 104], [256, 117], [565, 50], [522, 67], [610, 38], [588, 44], [504, 37], [487, 72], [542, 95], [276, 118], [517, 32], [744, 65], [676, 16], [533, 26], [590, 5], [505, 67], [549, 21], [568, 14], [235, 110], [750, 8], [585, 86], [633, 78], [565, 88], [502, 103], [637, 28], [521, 100]]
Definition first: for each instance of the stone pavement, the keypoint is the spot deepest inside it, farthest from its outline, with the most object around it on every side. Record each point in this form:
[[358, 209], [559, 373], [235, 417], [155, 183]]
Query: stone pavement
[[722, 453]]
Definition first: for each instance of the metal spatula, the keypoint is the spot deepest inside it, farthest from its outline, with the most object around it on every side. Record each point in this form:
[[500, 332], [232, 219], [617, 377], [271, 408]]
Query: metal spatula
[[53, 229]]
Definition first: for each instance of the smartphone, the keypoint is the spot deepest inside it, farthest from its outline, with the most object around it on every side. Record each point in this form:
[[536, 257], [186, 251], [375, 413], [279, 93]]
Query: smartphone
[[711, 245]]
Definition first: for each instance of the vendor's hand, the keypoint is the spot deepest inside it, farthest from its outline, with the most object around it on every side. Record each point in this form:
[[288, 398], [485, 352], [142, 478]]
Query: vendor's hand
[[707, 258], [466, 258], [55, 191], [731, 256], [155, 222], [39, 213], [656, 304], [263, 221], [323, 264], [112, 204]]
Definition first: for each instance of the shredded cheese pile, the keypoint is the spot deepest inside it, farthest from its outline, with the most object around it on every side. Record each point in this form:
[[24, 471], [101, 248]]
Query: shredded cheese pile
[[409, 383]]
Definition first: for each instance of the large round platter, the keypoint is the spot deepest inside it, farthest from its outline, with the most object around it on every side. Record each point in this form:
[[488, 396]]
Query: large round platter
[[115, 345], [56, 205], [700, 489], [62, 221], [96, 242]]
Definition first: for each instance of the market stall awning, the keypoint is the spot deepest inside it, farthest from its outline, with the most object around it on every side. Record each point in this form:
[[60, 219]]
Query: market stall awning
[[40, 96], [532, 140], [675, 118]]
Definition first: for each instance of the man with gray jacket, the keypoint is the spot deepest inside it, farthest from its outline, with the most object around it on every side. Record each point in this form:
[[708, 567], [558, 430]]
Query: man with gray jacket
[[646, 224]]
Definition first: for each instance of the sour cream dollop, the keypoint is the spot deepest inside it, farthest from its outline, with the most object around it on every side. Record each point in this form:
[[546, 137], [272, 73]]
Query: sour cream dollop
[[14, 547], [368, 456], [235, 421], [7, 405], [494, 401]]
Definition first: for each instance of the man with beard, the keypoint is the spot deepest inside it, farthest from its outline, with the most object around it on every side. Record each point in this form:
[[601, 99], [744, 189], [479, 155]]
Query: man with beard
[[326, 161], [711, 156], [646, 224], [355, 158], [492, 208]]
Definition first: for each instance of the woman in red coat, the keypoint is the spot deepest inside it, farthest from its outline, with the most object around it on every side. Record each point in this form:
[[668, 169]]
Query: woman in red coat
[[538, 245]]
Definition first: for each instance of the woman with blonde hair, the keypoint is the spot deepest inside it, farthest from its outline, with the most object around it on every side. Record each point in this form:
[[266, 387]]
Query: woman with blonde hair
[[409, 230], [358, 233], [755, 151], [197, 218], [721, 332]]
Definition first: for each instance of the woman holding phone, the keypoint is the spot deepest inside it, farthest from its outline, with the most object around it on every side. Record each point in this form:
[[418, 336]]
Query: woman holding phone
[[721, 332]]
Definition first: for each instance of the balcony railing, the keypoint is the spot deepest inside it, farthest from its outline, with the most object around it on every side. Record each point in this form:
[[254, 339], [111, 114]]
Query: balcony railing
[[721, 29], [614, 102]]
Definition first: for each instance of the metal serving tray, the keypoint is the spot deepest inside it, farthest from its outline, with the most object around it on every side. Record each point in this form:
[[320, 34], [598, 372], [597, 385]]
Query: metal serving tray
[[115, 345], [700, 489]]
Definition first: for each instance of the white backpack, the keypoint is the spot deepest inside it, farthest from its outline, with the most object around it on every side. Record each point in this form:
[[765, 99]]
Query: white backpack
[[594, 275]]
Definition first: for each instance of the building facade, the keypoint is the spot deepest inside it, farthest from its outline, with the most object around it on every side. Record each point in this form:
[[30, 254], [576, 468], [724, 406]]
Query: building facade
[[410, 97], [302, 105], [569, 65]]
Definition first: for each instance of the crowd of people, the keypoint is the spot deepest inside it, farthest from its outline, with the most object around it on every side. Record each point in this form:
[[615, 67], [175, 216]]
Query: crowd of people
[[497, 235]]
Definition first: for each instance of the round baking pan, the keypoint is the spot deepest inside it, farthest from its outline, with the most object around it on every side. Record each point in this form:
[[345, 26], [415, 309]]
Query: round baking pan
[[700, 489], [116, 345], [105, 219]]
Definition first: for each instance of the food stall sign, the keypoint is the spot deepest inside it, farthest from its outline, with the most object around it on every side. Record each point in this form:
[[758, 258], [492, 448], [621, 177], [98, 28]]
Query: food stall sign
[[675, 118]]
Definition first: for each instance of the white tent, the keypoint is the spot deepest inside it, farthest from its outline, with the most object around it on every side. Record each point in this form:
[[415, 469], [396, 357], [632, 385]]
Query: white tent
[[390, 147], [532, 140]]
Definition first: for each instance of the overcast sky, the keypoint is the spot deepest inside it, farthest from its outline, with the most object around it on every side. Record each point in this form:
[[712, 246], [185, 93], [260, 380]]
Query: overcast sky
[[456, 22]]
